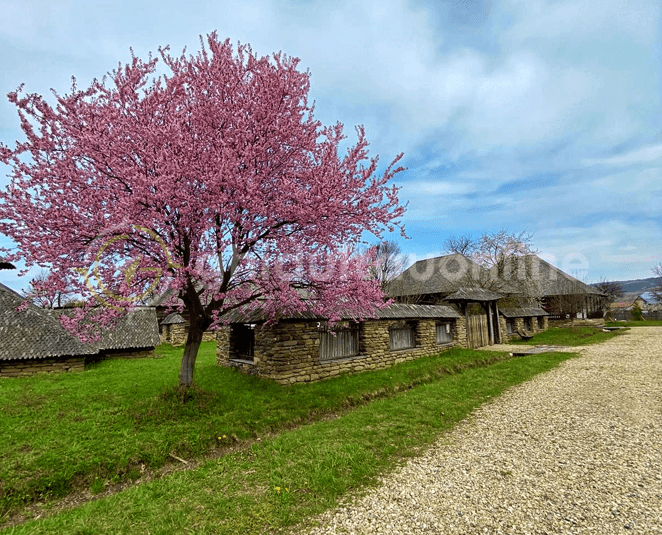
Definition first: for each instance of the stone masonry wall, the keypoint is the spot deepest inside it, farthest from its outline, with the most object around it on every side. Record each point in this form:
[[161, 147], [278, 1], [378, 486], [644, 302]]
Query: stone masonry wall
[[288, 352], [179, 332], [518, 323], [26, 367]]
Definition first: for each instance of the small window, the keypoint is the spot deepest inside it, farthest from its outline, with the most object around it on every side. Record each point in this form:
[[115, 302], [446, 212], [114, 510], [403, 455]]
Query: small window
[[444, 332], [509, 327], [527, 324], [244, 341], [402, 336], [541, 323], [341, 342]]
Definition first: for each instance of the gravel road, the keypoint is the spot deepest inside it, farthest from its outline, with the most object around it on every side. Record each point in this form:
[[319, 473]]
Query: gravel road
[[574, 450]]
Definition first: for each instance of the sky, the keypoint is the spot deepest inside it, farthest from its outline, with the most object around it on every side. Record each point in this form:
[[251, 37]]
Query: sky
[[538, 116]]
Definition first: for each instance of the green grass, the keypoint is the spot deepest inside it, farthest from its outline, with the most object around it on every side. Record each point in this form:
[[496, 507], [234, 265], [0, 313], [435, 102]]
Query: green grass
[[64, 432], [645, 323], [569, 336], [282, 481]]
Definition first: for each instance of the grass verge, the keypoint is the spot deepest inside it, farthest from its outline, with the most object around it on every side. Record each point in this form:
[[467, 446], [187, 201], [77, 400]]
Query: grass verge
[[282, 481], [645, 323], [569, 336], [61, 433]]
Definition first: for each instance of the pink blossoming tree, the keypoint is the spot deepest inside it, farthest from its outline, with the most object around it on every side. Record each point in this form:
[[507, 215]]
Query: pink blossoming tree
[[213, 182]]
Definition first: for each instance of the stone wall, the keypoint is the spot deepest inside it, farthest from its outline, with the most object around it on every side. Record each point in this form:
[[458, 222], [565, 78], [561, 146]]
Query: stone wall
[[26, 367], [140, 353], [176, 334], [288, 352], [518, 323]]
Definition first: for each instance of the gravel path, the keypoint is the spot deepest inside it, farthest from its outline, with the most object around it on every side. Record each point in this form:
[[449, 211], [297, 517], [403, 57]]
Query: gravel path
[[574, 450]]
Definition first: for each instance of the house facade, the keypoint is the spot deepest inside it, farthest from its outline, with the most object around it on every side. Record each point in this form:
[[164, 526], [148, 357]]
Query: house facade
[[303, 348]]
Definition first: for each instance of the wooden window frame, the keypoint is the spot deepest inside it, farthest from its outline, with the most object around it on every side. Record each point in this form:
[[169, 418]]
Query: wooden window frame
[[448, 329], [410, 327], [339, 342]]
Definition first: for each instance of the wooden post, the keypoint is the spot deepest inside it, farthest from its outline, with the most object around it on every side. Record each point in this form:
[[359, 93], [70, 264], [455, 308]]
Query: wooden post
[[490, 325], [496, 313]]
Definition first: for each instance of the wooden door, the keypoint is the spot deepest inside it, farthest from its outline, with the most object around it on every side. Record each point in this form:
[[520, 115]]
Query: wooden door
[[478, 333]]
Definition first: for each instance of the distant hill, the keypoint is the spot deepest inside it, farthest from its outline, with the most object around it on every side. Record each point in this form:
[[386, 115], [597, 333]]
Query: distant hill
[[639, 285]]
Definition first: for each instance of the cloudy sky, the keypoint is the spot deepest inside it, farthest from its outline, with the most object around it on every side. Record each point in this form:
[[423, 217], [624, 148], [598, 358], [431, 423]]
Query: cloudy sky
[[533, 115]]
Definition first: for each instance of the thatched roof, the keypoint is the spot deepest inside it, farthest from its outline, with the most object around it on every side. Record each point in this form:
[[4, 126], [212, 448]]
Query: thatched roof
[[34, 333], [522, 312]]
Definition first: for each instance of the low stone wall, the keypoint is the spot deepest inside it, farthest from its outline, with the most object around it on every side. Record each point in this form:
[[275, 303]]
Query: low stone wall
[[176, 335], [142, 353], [288, 352], [518, 323], [27, 367]]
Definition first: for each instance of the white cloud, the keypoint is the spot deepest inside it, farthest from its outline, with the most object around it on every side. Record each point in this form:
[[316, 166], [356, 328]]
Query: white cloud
[[640, 155]]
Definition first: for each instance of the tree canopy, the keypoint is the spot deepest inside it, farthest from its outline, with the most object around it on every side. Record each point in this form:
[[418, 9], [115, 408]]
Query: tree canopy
[[214, 181]]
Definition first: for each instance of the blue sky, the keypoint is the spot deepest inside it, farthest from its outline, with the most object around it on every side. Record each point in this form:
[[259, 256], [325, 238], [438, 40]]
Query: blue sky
[[542, 116]]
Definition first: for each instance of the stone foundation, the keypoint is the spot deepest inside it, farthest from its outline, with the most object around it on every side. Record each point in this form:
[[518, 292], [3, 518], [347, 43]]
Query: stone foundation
[[27, 367], [288, 352]]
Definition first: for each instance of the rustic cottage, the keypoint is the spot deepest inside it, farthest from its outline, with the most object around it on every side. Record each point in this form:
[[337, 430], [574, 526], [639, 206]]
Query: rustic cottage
[[304, 348], [33, 341], [173, 326], [527, 319]]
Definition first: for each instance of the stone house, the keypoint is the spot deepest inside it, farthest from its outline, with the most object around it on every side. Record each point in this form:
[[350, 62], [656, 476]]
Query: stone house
[[302, 348], [34, 341], [173, 326], [529, 319]]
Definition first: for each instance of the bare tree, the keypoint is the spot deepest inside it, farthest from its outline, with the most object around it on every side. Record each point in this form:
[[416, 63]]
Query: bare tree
[[502, 255], [389, 262], [464, 245]]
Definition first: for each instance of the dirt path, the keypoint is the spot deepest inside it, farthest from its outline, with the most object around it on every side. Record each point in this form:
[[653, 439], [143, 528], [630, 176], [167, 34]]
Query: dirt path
[[575, 450]]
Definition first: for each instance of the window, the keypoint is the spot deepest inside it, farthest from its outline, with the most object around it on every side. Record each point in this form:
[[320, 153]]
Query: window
[[541, 323], [244, 341], [402, 336], [527, 324], [444, 332], [341, 342], [509, 327]]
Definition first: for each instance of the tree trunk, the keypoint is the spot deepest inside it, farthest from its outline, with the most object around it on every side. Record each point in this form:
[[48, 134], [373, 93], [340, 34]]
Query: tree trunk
[[193, 341]]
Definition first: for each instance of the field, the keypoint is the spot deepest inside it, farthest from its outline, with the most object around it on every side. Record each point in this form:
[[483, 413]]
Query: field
[[569, 336], [103, 450]]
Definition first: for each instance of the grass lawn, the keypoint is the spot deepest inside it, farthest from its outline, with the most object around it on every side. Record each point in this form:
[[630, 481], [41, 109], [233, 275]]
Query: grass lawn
[[275, 482], [65, 432], [569, 336], [645, 323]]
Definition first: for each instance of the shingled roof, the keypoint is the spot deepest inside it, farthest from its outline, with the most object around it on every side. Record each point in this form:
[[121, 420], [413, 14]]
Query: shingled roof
[[138, 329], [522, 312], [542, 278], [440, 275], [393, 311], [33, 333], [472, 294], [172, 319]]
